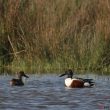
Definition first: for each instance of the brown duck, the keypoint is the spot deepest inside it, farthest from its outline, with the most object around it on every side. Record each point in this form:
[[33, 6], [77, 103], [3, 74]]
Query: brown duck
[[19, 81]]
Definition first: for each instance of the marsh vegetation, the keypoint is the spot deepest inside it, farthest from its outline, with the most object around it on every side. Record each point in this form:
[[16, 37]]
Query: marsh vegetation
[[52, 35]]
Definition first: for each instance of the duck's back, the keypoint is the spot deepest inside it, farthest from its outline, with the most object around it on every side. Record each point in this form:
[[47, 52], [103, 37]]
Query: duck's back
[[16, 82]]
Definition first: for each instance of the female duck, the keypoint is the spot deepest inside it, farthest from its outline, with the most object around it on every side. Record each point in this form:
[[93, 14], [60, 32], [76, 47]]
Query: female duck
[[76, 82], [19, 81]]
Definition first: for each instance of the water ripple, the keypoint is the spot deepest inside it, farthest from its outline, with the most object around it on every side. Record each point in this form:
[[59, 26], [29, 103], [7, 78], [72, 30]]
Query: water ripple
[[47, 92]]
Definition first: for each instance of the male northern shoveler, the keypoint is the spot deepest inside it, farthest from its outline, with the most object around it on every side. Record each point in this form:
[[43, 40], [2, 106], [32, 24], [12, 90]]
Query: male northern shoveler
[[76, 82], [18, 82]]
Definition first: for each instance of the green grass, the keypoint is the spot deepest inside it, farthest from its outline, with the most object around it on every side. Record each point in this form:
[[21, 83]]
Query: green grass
[[53, 35]]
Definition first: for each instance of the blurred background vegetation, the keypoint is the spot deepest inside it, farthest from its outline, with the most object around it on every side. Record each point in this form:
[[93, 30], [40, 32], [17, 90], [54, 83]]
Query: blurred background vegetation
[[53, 35]]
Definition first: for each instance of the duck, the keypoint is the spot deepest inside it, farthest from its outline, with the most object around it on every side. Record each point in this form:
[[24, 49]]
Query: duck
[[76, 82], [19, 81]]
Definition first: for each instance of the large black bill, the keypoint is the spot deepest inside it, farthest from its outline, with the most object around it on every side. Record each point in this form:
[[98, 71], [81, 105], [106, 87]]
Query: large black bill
[[62, 74], [26, 76]]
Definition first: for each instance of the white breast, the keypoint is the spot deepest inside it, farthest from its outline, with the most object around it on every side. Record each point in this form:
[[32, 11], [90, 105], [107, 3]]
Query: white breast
[[68, 81]]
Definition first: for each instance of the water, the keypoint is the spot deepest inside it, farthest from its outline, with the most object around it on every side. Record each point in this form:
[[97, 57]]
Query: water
[[47, 92]]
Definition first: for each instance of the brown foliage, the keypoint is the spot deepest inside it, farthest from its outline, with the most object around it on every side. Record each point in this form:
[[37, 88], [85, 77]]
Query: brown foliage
[[52, 28]]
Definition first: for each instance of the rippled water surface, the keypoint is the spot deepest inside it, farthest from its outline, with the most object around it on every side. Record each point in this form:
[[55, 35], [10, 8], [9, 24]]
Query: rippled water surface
[[47, 92]]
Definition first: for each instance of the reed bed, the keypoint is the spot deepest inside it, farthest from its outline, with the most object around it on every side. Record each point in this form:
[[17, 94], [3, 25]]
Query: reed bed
[[53, 35]]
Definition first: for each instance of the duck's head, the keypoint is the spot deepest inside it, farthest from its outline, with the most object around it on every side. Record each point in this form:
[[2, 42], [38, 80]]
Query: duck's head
[[69, 73], [22, 74]]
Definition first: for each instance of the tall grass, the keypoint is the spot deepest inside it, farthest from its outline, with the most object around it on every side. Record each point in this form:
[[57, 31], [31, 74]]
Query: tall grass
[[52, 35]]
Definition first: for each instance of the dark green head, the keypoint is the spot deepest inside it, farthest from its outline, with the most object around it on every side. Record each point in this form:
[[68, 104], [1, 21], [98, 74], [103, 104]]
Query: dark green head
[[69, 73]]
